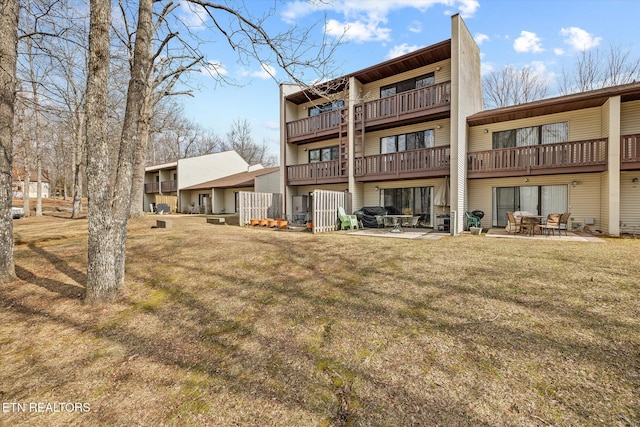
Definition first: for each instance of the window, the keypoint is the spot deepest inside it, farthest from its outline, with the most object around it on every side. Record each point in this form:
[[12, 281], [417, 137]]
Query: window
[[326, 107], [324, 154], [539, 200], [407, 141], [406, 85], [416, 199], [534, 135]]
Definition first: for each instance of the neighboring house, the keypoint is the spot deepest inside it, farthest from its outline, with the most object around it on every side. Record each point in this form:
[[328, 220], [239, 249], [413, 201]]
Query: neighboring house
[[18, 184], [223, 192], [164, 183], [398, 133]]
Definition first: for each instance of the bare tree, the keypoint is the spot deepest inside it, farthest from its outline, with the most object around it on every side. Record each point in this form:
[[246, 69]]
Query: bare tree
[[595, 70], [8, 59], [509, 86], [240, 140], [101, 284]]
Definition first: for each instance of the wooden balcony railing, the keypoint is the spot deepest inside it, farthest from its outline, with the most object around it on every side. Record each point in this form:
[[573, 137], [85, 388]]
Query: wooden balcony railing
[[329, 172], [169, 186], [544, 159], [405, 105], [152, 187], [630, 152], [424, 162], [323, 124]]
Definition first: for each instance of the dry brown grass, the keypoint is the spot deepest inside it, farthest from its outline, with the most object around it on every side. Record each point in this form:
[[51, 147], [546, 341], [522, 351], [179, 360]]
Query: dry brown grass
[[222, 325]]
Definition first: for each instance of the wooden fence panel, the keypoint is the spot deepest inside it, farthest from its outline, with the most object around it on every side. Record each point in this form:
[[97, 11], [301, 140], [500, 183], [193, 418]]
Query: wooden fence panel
[[325, 209], [172, 201], [259, 206]]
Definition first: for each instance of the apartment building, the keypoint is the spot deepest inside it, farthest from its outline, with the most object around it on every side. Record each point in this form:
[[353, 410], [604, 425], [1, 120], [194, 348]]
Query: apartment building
[[170, 182], [400, 132]]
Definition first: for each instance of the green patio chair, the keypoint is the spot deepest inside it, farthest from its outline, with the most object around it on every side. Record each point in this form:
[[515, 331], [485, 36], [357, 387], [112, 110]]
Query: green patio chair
[[472, 220], [347, 221]]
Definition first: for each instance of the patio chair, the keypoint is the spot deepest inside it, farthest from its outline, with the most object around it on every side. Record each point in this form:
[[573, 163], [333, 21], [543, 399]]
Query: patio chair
[[380, 220], [553, 223], [472, 220], [414, 221], [514, 225], [390, 221], [347, 221], [564, 223]]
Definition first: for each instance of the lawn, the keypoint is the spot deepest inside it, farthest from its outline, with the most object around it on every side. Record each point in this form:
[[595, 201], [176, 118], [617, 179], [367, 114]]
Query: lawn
[[222, 325]]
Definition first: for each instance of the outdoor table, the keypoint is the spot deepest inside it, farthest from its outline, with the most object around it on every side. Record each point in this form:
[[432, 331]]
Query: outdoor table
[[532, 221], [397, 222]]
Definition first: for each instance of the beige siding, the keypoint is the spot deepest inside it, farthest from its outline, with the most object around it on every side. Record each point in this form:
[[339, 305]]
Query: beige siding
[[584, 200], [604, 202], [583, 124], [302, 111], [372, 196], [300, 153], [372, 90], [630, 203], [442, 135], [630, 118]]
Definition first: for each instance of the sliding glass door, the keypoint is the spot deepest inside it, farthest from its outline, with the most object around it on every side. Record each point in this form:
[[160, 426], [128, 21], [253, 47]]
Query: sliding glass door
[[417, 200], [539, 200]]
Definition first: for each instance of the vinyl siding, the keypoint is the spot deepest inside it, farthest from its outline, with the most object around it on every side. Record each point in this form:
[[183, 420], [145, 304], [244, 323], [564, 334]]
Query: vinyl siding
[[372, 90], [583, 124], [584, 200], [630, 118], [442, 135], [372, 197], [629, 203]]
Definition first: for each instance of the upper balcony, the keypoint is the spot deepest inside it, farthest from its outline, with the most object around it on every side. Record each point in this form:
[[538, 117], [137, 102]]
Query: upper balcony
[[324, 125], [169, 186], [406, 107], [328, 172], [630, 152], [152, 187], [421, 163], [428, 102], [544, 159]]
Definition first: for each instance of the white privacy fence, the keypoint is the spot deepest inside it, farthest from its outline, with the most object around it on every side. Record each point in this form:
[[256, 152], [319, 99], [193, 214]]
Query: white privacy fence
[[325, 209], [259, 206]]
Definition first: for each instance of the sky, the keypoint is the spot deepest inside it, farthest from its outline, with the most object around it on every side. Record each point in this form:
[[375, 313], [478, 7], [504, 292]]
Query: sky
[[545, 35]]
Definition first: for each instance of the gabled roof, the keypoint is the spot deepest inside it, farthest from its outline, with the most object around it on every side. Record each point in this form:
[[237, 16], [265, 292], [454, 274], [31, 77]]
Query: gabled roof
[[242, 179], [416, 59], [560, 104]]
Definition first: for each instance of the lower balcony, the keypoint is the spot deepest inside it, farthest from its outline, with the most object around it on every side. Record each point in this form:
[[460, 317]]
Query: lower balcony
[[422, 163], [630, 152], [544, 159], [328, 172]]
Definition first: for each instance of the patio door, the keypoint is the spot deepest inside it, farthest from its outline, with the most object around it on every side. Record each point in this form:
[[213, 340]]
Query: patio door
[[418, 200], [539, 200]]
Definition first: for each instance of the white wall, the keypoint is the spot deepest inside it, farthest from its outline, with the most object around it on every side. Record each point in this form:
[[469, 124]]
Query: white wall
[[268, 183], [196, 170]]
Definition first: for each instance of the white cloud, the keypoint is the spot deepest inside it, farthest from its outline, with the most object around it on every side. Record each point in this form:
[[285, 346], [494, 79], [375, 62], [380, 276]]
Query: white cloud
[[558, 51], [415, 27], [364, 20], [486, 68], [528, 42], [358, 31], [480, 38], [267, 72], [272, 125], [401, 50], [193, 16], [214, 68], [579, 39]]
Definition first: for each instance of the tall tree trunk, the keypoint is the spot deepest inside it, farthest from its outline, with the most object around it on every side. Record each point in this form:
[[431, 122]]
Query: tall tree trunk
[[137, 185], [77, 166], [8, 57], [137, 92], [101, 283]]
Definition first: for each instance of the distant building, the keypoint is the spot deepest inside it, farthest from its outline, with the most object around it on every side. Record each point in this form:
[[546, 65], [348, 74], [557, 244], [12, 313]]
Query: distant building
[[185, 184], [18, 184]]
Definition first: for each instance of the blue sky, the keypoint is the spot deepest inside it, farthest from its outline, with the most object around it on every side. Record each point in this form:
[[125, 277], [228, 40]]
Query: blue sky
[[543, 34]]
